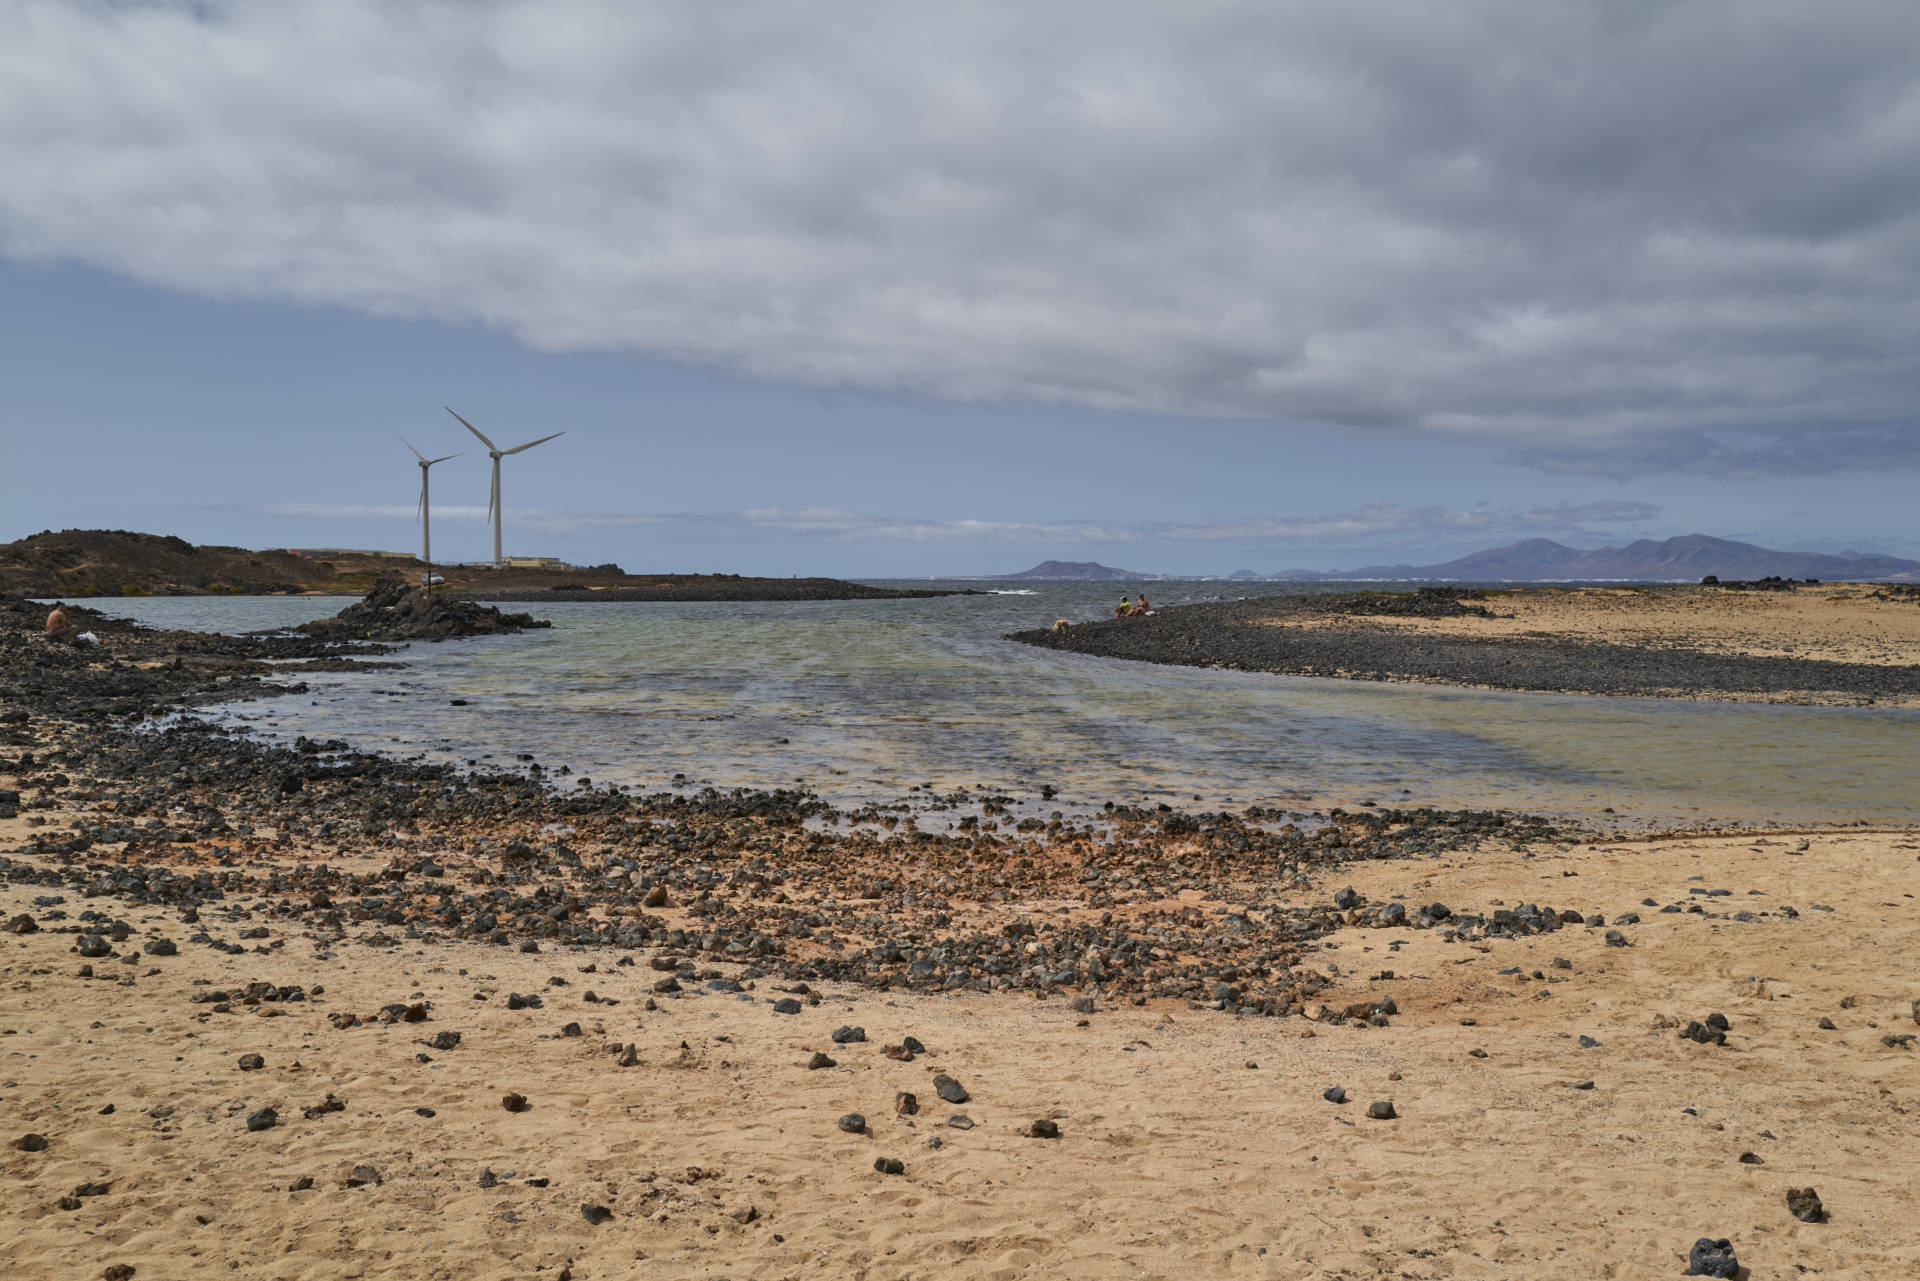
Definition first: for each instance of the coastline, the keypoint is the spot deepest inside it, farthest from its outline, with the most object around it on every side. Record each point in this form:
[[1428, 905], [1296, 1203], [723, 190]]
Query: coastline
[[1639, 642], [1170, 980]]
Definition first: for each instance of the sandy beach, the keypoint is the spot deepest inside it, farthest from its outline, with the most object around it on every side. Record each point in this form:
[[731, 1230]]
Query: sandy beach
[[298, 1012], [1189, 1139]]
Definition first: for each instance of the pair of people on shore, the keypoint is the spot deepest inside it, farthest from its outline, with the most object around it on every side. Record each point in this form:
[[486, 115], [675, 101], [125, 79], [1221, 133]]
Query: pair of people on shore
[[1128, 609]]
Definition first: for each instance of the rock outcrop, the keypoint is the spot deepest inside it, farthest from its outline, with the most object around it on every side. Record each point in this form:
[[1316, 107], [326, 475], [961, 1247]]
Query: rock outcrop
[[393, 611]]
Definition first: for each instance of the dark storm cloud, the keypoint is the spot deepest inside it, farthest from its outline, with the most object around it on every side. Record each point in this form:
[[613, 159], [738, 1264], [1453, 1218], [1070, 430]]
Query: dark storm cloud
[[1617, 236]]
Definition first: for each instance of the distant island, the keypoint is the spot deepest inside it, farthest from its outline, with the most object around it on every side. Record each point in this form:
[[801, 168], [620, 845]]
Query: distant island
[[1082, 571], [80, 563], [1686, 559]]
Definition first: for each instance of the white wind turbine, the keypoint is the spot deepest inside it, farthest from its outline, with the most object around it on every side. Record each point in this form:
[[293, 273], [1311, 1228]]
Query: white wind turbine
[[426, 541], [493, 498]]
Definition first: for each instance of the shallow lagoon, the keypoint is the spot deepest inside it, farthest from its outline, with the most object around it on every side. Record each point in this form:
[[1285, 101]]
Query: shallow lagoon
[[864, 699]]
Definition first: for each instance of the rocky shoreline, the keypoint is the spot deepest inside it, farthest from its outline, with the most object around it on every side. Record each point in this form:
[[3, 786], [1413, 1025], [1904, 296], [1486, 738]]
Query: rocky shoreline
[[1346, 637], [326, 1012], [711, 876]]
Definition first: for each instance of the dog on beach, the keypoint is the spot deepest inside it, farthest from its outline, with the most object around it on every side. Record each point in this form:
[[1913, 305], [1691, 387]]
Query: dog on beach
[[1060, 625]]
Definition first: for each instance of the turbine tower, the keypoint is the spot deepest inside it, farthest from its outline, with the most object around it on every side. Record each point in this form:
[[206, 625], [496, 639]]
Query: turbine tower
[[426, 541], [493, 498]]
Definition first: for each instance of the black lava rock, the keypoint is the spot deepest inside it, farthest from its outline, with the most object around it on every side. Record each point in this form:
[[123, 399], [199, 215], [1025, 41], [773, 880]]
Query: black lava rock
[[1804, 1205], [1711, 1258], [949, 1089]]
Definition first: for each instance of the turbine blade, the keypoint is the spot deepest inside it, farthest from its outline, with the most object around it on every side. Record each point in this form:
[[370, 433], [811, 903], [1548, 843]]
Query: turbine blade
[[530, 444], [409, 444], [431, 461], [470, 427]]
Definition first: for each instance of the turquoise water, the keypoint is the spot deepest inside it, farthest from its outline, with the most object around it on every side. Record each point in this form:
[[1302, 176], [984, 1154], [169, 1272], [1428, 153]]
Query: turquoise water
[[864, 699]]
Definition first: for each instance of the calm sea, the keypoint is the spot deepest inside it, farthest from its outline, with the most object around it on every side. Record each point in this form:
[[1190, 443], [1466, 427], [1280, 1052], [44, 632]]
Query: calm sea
[[862, 700]]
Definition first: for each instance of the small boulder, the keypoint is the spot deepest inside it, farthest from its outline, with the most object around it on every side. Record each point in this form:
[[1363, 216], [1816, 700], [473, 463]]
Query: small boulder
[[1712, 1258], [1804, 1205]]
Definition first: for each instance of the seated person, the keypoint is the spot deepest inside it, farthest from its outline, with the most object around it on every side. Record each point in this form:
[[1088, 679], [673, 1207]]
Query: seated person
[[1123, 609], [1140, 607], [58, 628]]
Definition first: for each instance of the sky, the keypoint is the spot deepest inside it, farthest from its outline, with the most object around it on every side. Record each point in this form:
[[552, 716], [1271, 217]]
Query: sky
[[903, 289]]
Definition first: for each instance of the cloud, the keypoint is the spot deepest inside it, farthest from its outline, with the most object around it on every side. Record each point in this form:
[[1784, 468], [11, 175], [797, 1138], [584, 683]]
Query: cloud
[[1610, 235], [1372, 523], [534, 518]]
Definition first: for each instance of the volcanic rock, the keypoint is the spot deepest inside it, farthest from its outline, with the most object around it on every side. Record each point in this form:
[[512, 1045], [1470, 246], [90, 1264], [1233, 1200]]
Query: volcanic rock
[[1712, 1258], [1804, 1205]]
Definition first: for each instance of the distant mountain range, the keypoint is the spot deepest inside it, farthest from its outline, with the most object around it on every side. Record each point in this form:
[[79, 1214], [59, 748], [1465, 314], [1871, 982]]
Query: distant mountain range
[[1688, 558]]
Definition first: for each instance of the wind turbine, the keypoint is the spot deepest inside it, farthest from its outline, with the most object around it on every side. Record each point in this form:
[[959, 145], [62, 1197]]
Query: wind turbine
[[426, 542], [493, 498]]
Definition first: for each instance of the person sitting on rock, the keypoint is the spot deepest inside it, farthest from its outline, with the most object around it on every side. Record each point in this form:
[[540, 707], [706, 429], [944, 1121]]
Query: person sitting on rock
[[1124, 608], [1140, 606], [58, 628]]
